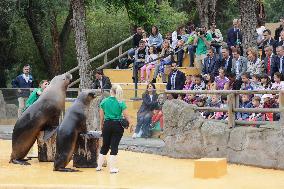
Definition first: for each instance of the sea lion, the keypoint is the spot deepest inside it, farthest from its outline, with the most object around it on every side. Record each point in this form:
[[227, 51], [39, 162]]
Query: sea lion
[[73, 124], [44, 113]]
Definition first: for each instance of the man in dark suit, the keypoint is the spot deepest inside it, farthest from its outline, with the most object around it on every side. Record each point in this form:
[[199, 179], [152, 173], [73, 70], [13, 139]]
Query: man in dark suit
[[234, 36], [226, 61], [279, 64], [102, 81], [239, 63], [281, 40], [279, 29], [176, 79], [268, 41], [211, 63], [269, 61]]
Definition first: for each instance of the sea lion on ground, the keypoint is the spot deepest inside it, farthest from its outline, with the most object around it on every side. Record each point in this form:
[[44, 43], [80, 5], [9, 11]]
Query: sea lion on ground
[[44, 113], [73, 124]]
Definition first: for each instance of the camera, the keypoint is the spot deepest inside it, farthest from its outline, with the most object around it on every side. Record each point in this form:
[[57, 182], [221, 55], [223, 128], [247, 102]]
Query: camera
[[200, 31]]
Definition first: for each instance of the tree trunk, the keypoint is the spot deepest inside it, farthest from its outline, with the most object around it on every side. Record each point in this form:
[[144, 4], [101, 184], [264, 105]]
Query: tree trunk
[[82, 52], [248, 23], [206, 11]]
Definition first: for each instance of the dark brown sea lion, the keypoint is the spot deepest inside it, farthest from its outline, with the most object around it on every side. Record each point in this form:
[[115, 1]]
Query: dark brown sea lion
[[73, 124], [44, 113]]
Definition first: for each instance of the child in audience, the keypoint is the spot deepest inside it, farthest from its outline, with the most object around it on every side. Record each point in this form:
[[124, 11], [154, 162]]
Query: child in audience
[[198, 83], [157, 123], [214, 102], [256, 104], [210, 82], [224, 104], [245, 104], [190, 99], [268, 102], [145, 38], [150, 64], [278, 84], [255, 82], [188, 82], [265, 82], [246, 82]]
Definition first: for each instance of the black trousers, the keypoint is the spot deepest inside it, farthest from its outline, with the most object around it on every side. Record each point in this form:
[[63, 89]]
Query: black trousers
[[112, 133]]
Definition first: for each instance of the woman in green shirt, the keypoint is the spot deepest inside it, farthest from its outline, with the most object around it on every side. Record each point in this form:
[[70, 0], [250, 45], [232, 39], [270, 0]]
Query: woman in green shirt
[[112, 109], [36, 93]]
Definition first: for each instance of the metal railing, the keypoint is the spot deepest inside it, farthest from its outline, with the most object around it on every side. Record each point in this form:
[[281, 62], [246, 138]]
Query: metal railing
[[233, 105], [105, 55]]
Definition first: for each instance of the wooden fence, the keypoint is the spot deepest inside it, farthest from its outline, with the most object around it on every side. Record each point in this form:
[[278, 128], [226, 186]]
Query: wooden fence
[[233, 105]]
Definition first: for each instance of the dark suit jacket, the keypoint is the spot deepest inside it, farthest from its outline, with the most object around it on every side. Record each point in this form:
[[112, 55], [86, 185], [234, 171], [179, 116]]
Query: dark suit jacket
[[280, 43], [273, 65], [148, 104], [179, 82], [276, 67], [272, 43], [212, 68], [232, 37], [228, 67], [105, 82]]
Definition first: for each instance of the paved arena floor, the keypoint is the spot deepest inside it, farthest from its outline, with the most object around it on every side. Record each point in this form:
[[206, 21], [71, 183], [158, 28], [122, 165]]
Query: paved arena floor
[[137, 170]]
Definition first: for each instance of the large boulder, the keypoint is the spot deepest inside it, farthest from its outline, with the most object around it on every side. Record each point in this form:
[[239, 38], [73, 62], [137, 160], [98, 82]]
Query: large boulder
[[188, 135], [7, 111]]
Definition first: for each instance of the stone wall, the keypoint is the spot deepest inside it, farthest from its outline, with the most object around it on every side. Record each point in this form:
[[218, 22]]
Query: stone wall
[[7, 111], [188, 135]]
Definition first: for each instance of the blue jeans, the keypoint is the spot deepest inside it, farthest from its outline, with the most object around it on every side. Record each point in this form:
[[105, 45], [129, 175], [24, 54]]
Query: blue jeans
[[143, 123]]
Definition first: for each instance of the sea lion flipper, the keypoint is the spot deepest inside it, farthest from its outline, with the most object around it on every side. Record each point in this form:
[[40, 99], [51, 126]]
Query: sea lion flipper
[[20, 162], [66, 170]]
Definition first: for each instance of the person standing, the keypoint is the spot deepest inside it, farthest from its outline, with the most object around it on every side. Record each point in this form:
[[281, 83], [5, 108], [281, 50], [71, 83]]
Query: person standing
[[176, 79], [112, 110], [102, 82], [25, 80], [234, 36]]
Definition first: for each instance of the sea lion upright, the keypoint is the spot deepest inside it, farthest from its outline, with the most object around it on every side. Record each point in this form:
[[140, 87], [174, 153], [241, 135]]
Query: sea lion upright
[[44, 113], [73, 124]]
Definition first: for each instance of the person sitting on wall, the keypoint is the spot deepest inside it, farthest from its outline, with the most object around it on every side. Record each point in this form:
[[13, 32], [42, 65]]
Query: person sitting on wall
[[101, 82]]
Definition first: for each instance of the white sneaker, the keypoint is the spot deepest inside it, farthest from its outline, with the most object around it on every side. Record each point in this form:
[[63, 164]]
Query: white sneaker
[[140, 133], [134, 135], [112, 164]]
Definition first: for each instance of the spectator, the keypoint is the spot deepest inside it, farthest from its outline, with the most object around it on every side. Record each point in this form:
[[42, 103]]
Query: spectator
[[260, 33], [269, 62], [202, 41], [234, 84], [254, 65], [245, 104], [221, 80], [139, 59], [223, 104], [278, 84], [180, 52], [226, 61], [211, 63], [169, 37], [281, 39], [188, 82], [176, 36], [256, 104], [145, 112], [268, 102], [234, 36], [213, 102], [36, 93], [198, 83], [135, 41], [210, 82], [151, 61], [217, 38], [279, 29], [239, 63], [176, 79], [279, 64], [157, 123], [255, 82], [246, 82], [24, 80], [166, 59], [156, 38], [267, 41], [101, 82], [265, 82], [191, 46], [145, 38]]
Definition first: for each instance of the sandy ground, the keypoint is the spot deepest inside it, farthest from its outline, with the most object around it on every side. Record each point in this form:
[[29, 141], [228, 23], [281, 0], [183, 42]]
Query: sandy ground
[[137, 170]]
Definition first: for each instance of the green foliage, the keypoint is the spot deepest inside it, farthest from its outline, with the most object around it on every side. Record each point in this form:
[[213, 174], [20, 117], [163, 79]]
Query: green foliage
[[274, 10]]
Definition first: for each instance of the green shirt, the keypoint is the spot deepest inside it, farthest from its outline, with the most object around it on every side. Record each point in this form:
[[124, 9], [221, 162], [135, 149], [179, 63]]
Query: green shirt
[[33, 97], [201, 46], [112, 108]]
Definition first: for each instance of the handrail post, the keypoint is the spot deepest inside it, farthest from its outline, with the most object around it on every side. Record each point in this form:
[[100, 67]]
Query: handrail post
[[119, 54], [231, 100], [105, 58], [281, 107]]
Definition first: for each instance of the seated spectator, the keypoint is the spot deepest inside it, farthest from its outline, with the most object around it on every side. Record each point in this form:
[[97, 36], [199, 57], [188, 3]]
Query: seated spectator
[[36, 93], [213, 102], [135, 44], [265, 82], [279, 29], [223, 104], [254, 64], [268, 102], [239, 63], [101, 82], [145, 112], [226, 61], [246, 82], [139, 59], [190, 99], [169, 37], [268, 41], [188, 82], [221, 80], [176, 79], [210, 82], [198, 83], [278, 84], [217, 38], [256, 104], [156, 38], [166, 59], [269, 62], [234, 84], [245, 104], [191, 46], [276, 116], [151, 61], [211, 63], [145, 38], [179, 50], [157, 123], [255, 82]]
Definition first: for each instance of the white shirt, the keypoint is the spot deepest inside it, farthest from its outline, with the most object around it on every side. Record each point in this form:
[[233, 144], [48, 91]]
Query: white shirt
[[26, 77]]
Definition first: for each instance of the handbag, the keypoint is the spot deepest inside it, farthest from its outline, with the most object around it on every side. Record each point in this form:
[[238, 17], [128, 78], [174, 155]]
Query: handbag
[[123, 122]]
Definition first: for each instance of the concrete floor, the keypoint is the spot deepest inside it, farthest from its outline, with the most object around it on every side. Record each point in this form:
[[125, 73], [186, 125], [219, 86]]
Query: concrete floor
[[137, 170]]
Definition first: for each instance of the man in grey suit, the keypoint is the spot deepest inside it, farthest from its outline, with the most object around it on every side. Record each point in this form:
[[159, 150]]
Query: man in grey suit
[[269, 62], [239, 63]]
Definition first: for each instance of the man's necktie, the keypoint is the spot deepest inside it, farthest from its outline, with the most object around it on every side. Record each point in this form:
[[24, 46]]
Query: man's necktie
[[268, 65]]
